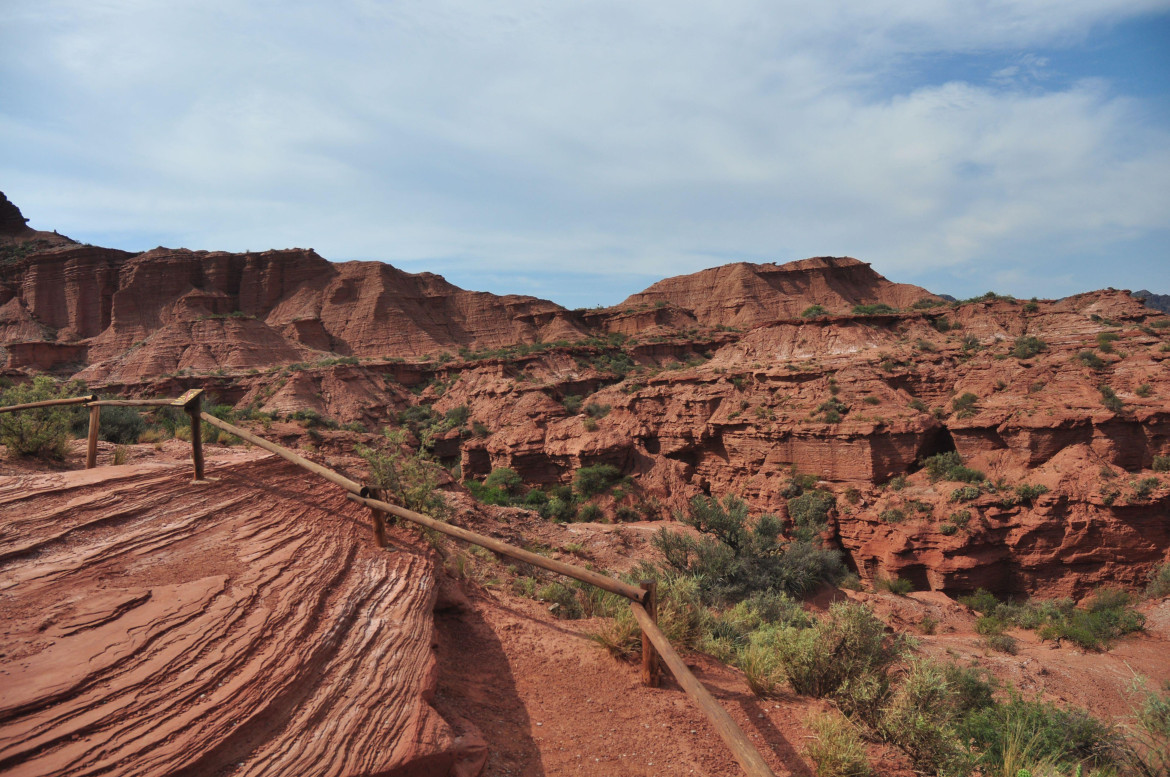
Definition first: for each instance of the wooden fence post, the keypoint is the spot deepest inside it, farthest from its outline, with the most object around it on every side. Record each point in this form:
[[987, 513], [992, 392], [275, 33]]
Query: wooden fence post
[[650, 673], [378, 516], [95, 415], [192, 402]]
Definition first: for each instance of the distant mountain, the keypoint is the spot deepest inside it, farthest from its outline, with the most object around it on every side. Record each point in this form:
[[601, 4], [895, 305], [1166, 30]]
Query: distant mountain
[[1156, 301]]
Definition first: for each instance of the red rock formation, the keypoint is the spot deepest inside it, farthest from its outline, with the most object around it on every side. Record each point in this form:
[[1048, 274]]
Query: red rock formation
[[746, 295], [157, 627]]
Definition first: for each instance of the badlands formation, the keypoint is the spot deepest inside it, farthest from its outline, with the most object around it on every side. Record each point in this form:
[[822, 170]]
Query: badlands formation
[[248, 626]]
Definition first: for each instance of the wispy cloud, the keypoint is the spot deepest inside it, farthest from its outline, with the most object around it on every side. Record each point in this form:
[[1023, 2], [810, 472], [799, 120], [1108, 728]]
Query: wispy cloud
[[619, 140]]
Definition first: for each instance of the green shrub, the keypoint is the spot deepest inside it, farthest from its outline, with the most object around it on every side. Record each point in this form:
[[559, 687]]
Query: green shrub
[[409, 478], [1090, 360], [597, 410], [1029, 493], [590, 513], [596, 479], [811, 509], [965, 405], [488, 495], [1144, 390], [1038, 731], [1110, 399], [813, 311], [872, 309], [844, 645], [899, 586], [921, 716], [965, 493], [1159, 581], [563, 600], [1161, 464], [892, 515], [732, 559], [981, 601], [504, 478], [1027, 346], [949, 466], [836, 748], [559, 510], [121, 425], [535, 498], [1144, 487], [40, 432]]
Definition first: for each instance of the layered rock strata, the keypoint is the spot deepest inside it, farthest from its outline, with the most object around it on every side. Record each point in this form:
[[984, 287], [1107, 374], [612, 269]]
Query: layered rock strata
[[153, 626]]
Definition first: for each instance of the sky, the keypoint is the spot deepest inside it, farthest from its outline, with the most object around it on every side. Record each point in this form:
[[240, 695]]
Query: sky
[[580, 151]]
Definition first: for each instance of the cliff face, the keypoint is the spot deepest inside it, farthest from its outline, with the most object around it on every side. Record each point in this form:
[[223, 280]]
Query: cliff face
[[164, 311]]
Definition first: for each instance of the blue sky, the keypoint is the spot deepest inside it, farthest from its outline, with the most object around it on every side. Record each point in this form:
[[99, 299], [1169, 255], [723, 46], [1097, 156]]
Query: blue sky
[[580, 151]]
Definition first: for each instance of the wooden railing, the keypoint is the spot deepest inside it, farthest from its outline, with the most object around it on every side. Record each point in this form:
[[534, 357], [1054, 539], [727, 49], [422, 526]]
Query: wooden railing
[[643, 598]]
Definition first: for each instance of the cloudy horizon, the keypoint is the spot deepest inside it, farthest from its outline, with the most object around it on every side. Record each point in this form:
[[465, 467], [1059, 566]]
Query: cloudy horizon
[[580, 153]]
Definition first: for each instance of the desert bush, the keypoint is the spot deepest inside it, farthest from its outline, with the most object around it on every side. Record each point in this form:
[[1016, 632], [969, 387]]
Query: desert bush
[[506, 479], [559, 509], [590, 513], [1144, 487], [596, 479], [1090, 360], [965, 405], [1034, 732], [921, 718], [1159, 581], [41, 432], [836, 748], [1151, 732], [563, 600], [732, 559], [1027, 346], [409, 478], [847, 643], [949, 466], [597, 410], [813, 311], [121, 425], [872, 309], [892, 515], [1161, 464], [899, 586], [965, 493], [1110, 399], [1144, 390], [1029, 493], [121, 453]]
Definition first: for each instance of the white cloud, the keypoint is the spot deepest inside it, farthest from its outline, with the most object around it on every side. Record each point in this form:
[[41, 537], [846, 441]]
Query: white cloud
[[603, 136]]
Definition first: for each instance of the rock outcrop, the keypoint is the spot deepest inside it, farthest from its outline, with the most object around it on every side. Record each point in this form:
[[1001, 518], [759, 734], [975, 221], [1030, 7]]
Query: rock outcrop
[[746, 295], [153, 626]]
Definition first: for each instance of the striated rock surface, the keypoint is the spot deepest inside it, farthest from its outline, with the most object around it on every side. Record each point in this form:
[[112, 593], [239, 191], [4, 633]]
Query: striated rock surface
[[152, 626]]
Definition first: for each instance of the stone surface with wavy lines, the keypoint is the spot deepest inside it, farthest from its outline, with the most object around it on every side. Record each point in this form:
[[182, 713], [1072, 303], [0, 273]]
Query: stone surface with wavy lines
[[155, 626]]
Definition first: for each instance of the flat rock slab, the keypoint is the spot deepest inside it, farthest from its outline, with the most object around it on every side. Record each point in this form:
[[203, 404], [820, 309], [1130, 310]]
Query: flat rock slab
[[150, 625]]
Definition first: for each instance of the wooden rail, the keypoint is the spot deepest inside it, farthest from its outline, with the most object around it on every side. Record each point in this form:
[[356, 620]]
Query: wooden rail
[[50, 403], [643, 599], [732, 735], [603, 582]]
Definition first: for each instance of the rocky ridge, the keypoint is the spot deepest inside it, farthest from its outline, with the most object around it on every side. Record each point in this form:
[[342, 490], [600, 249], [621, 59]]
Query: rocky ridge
[[725, 381]]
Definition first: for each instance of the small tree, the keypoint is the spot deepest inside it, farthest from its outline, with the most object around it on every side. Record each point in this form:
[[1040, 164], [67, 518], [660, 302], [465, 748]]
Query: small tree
[[409, 478]]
